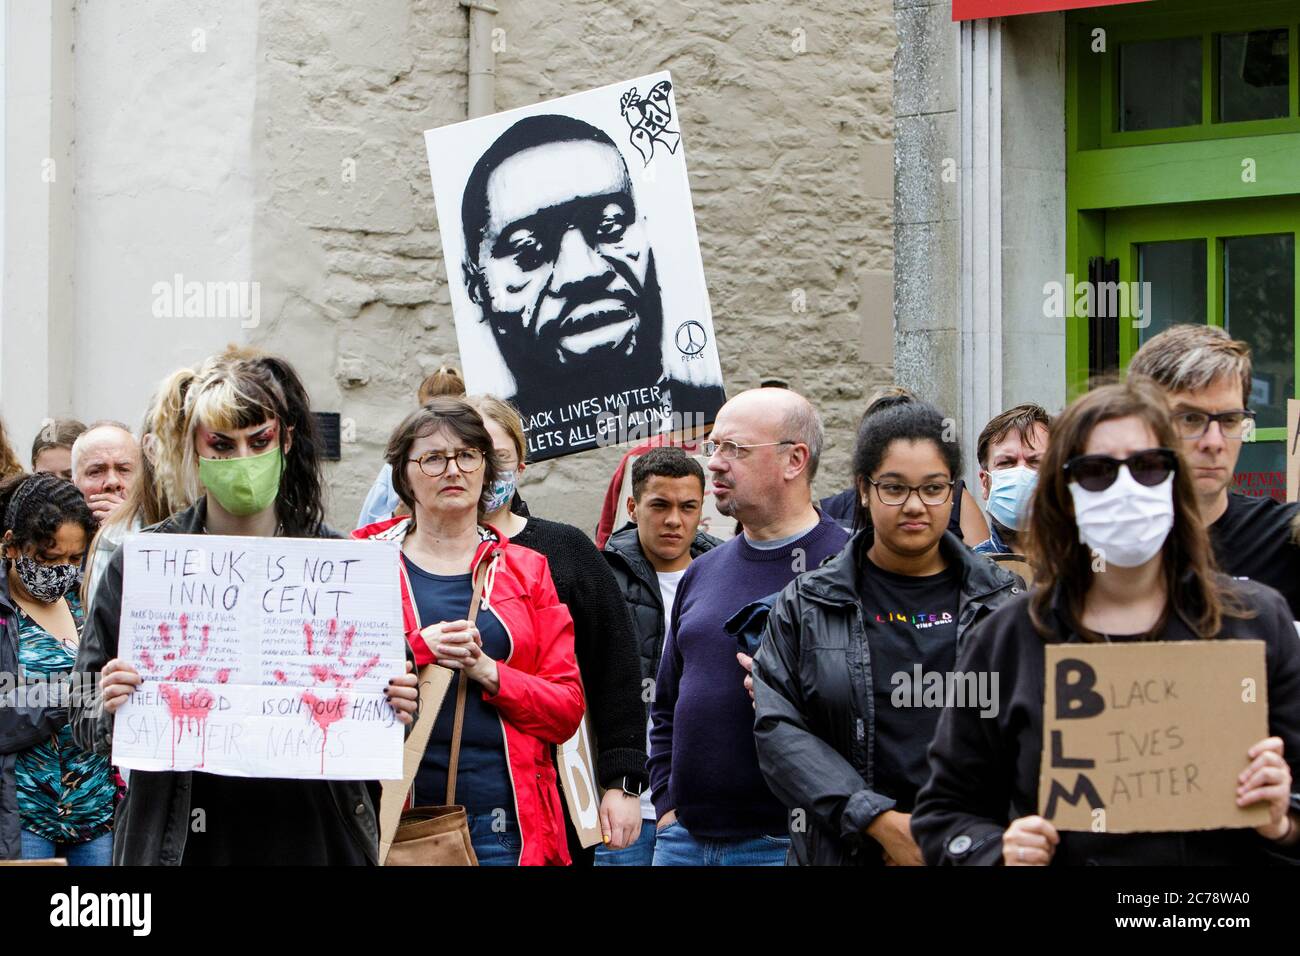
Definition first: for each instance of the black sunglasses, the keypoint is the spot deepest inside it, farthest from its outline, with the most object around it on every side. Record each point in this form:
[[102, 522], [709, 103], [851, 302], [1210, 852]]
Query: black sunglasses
[[1098, 472]]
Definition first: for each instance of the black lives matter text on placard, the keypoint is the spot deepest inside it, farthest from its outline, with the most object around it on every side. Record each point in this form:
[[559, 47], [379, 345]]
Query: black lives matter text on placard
[[1150, 736]]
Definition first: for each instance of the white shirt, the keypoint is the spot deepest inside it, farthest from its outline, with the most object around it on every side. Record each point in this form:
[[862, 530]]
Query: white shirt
[[668, 581]]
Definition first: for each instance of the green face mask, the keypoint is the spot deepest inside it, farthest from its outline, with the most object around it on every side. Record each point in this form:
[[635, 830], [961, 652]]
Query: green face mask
[[243, 486]]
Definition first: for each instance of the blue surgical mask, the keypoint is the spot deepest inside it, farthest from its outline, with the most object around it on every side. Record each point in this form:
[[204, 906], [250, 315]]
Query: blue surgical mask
[[1010, 491], [502, 490]]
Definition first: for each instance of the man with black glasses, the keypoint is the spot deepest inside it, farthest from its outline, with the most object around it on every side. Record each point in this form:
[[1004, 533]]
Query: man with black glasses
[[1206, 376]]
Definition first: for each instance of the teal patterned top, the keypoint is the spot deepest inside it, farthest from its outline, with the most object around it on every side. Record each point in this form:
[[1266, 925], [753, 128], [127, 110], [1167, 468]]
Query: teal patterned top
[[64, 793]]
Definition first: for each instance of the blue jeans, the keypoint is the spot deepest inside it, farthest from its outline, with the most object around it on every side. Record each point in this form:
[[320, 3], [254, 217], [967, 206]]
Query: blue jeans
[[640, 853], [496, 839], [674, 846], [96, 852]]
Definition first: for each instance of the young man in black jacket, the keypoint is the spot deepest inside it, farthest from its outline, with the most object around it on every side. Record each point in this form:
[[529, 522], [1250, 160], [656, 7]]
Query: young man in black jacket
[[648, 556], [1206, 377]]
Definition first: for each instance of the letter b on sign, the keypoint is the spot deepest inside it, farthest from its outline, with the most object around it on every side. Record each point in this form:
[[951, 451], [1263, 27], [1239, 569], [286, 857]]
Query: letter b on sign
[[1075, 696]]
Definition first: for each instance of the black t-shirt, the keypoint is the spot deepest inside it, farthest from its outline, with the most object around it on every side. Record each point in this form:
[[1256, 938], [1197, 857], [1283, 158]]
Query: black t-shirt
[[1252, 539], [909, 621], [251, 821]]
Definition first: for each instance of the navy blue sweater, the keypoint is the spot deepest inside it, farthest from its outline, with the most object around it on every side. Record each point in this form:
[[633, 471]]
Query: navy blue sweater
[[703, 763]]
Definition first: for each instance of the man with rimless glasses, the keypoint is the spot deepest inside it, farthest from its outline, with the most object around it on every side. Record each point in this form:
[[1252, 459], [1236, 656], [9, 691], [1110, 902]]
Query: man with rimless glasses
[[1206, 376], [714, 807]]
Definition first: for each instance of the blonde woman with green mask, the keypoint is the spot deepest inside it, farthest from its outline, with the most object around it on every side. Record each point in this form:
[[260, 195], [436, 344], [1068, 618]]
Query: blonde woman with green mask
[[250, 461]]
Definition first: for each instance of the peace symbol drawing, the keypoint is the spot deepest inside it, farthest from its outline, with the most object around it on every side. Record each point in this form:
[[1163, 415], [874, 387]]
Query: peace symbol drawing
[[691, 338]]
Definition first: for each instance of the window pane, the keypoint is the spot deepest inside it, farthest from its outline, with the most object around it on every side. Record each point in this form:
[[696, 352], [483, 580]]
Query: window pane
[[1160, 84], [1261, 470], [1259, 307], [1253, 75], [1176, 272]]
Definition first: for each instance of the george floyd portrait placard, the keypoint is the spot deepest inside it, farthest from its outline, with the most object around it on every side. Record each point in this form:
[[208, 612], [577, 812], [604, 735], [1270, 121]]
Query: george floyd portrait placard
[[574, 267]]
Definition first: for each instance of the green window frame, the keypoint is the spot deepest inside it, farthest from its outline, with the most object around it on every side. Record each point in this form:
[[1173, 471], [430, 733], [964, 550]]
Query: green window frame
[[1228, 163]]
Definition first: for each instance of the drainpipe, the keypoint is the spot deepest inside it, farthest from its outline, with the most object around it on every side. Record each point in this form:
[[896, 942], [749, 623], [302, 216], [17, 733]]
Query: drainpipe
[[482, 59]]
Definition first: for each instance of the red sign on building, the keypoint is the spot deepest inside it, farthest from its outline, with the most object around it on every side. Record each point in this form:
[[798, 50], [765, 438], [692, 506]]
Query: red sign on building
[[980, 9]]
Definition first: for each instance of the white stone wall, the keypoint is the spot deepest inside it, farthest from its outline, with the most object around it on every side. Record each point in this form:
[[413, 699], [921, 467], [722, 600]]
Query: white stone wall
[[774, 139], [290, 153]]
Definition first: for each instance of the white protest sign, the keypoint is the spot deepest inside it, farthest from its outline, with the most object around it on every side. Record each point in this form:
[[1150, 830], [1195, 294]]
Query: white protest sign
[[261, 657]]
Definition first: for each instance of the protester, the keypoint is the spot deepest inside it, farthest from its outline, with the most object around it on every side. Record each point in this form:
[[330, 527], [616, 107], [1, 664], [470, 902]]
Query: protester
[[56, 799], [251, 457], [1112, 489], [713, 805], [527, 692], [966, 522], [649, 556], [9, 463], [1206, 377], [105, 460], [382, 501], [157, 492], [1009, 450], [901, 596], [603, 638], [52, 448]]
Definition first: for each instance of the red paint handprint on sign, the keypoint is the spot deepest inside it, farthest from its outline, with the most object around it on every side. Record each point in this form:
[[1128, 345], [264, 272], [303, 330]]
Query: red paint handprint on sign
[[325, 711], [188, 709]]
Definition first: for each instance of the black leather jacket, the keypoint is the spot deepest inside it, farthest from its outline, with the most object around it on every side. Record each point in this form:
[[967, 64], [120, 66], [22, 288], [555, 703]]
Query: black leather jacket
[[636, 579], [814, 730], [153, 821]]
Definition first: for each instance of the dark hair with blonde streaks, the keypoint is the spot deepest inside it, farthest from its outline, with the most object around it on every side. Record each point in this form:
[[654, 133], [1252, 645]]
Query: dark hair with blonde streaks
[[1061, 562], [243, 387]]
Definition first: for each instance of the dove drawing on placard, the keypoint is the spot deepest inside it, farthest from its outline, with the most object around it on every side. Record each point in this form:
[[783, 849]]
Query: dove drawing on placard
[[649, 120]]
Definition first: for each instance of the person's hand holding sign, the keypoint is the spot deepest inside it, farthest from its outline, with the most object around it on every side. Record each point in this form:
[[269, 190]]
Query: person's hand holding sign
[[118, 681], [404, 695], [1268, 778], [1029, 841]]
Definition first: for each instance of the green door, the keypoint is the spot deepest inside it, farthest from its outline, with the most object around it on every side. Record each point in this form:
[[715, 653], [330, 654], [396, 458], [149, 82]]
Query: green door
[[1231, 264]]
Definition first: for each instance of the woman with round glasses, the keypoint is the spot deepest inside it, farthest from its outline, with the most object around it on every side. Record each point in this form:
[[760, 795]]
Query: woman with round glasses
[[526, 693], [843, 715], [1119, 554]]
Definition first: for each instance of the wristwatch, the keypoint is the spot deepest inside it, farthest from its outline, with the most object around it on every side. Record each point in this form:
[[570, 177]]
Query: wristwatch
[[632, 786]]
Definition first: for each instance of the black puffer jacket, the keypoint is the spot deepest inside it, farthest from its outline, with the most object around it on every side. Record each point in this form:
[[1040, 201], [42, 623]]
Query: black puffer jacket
[[636, 579], [815, 729]]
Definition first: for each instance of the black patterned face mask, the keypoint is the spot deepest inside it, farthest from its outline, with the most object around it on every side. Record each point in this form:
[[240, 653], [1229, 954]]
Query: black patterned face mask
[[46, 582]]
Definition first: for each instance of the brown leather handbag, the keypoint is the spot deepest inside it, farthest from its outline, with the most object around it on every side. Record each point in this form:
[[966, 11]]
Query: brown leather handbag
[[435, 836]]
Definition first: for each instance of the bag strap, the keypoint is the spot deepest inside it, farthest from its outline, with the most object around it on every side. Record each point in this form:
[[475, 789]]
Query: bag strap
[[462, 684]]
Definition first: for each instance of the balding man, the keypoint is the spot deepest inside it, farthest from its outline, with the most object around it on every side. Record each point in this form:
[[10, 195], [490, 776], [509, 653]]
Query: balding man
[[713, 806], [105, 461]]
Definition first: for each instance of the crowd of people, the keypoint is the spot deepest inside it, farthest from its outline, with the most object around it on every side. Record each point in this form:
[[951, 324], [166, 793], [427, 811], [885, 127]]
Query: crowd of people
[[741, 694]]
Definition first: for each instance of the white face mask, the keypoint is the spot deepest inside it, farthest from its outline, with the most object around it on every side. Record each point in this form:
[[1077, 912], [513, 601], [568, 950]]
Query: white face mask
[[1127, 523]]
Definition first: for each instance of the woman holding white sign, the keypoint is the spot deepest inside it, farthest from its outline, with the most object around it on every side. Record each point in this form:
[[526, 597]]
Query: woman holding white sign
[[251, 459], [527, 691], [1120, 556]]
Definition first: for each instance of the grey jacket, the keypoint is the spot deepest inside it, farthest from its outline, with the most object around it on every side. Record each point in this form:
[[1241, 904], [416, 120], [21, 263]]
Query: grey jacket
[[153, 821]]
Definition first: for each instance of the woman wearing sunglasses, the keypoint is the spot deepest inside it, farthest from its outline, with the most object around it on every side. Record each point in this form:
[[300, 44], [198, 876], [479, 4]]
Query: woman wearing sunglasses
[[1120, 554], [842, 721]]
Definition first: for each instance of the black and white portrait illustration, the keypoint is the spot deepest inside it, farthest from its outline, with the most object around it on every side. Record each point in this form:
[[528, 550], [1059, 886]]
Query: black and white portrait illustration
[[575, 273]]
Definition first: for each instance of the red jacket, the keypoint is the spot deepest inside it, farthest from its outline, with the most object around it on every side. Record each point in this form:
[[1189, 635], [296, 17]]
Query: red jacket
[[540, 699]]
